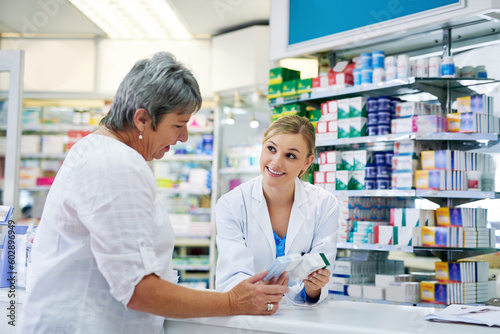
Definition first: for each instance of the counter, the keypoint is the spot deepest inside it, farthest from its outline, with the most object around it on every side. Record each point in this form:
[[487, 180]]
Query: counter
[[330, 317]]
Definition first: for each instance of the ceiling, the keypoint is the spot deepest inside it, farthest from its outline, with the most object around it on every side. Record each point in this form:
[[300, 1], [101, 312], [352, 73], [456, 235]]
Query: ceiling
[[203, 18]]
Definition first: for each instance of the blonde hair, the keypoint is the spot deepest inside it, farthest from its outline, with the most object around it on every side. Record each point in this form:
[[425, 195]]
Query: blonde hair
[[293, 124]]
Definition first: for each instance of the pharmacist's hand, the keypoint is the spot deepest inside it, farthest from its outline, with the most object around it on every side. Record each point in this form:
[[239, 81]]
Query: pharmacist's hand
[[315, 281], [281, 280], [251, 298]]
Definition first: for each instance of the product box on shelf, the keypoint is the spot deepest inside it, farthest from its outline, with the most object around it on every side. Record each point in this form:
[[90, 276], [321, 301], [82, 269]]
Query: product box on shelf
[[357, 180], [344, 127], [472, 123], [274, 91], [461, 217], [357, 127], [342, 179], [328, 160], [362, 158], [330, 180], [412, 217], [421, 123], [289, 88], [304, 86], [347, 160], [344, 108], [462, 272], [476, 103], [280, 74], [403, 180], [358, 106]]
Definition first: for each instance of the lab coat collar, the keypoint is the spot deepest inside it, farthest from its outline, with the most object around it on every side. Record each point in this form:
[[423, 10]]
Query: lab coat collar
[[297, 216]]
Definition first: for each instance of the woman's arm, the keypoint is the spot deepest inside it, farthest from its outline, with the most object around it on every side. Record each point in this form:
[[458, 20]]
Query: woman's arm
[[156, 296]]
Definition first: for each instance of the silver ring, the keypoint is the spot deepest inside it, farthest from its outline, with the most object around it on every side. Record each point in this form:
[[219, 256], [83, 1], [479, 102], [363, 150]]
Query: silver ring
[[270, 306]]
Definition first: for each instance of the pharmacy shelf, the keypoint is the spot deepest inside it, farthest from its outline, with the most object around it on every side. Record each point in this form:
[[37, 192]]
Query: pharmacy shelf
[[240, 170], [375, 247], [186, 158], [455, 254], [37, 188], [324, 140], [196, 130], [395, 87], [375, 193], [193, 267], [58, 127], [170, 191], [48, 156], [456, 194], [192, 241]]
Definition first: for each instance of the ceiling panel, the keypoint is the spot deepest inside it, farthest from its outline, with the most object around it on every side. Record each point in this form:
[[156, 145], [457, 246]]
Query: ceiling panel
[[213, 17], [44, 17]]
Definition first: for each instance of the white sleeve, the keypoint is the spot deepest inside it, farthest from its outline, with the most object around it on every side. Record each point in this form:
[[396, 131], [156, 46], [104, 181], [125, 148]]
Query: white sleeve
[[324, 241], [115, 202], [235, 261]]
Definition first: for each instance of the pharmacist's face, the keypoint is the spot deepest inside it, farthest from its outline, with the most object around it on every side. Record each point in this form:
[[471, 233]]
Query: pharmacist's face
[[170, 130], [283, 157]]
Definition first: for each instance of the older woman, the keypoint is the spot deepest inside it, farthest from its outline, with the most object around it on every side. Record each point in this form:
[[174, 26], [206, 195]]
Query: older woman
[[103, 250], [277, 214]]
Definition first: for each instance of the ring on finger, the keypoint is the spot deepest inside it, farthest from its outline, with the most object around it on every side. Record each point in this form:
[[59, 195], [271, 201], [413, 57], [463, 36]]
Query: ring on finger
[[270, 306]]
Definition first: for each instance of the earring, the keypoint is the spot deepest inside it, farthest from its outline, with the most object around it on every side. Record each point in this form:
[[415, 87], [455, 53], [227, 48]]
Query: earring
[[140, 135]]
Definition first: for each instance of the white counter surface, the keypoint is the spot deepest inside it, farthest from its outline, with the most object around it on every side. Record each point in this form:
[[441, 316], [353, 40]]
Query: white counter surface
[[330, 317]]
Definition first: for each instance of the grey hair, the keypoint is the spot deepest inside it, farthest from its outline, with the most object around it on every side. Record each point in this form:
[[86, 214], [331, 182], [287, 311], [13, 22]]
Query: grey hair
[[160, 85]]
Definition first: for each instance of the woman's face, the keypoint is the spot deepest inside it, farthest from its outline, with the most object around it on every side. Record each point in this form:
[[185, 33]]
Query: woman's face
[[283, 157], [171, 129]]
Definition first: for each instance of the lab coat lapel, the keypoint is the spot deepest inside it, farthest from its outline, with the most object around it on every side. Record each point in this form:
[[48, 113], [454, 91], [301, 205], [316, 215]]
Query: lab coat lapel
[[260, 214], [297, 216]]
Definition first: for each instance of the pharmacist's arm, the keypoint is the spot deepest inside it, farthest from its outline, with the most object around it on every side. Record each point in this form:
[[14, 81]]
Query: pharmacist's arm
[[156, 296], [325, 241]]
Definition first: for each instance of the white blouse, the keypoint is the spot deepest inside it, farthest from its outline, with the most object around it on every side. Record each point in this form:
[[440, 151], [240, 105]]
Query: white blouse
[[102, 230]]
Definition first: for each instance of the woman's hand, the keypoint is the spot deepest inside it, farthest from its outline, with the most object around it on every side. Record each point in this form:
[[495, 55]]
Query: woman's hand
[[315, 281], [248, 297], [281, 280]]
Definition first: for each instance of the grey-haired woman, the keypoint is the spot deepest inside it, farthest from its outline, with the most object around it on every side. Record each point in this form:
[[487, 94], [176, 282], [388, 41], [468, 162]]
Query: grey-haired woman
[[102, 257]]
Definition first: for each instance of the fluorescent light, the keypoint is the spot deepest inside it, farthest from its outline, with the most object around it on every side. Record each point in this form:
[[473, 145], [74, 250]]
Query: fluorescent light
[[138, 19]]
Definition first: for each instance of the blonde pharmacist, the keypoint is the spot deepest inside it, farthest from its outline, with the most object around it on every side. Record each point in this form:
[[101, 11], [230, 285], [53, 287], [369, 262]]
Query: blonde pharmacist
[[276, 214], [102, 257]]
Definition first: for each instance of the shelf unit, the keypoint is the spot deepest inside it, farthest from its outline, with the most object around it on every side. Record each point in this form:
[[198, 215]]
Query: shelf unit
[[445, 90]]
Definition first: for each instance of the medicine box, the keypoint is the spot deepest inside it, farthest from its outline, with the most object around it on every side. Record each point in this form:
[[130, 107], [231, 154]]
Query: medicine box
[[344, 126], [343, 177], [274, 91], [304, 86], [362, 158], [289, 88], [330, 181], [319, 178], [344, 108], [357, 180], [280, 74], [402, 180], [347, 160], [358, 106], [357, 127]]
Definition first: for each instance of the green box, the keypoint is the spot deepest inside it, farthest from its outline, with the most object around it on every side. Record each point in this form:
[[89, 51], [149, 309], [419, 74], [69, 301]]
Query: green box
[[280, 74], [344, 108], [294, 109], [357, 127], [274, 91], [304, 86], [344, 128], [343, 178], [314, 115], [289, 88], [358, 106]]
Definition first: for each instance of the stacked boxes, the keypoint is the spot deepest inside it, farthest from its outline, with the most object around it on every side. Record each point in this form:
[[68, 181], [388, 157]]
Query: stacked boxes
[[474, 115], [282, 82], [458, 283], [381, 111], [450, 170]]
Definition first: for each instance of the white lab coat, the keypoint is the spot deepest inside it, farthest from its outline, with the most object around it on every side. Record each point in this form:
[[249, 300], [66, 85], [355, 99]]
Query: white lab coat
[[245, 238]]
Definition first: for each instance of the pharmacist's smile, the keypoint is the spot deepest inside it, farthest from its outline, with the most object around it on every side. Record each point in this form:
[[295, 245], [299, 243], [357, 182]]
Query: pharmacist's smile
[[273, 172]]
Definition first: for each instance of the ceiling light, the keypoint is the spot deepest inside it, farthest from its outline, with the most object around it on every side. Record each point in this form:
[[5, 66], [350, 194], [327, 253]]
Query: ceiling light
[[253, 122], [138, 19], [230, 119], [238, 100]]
